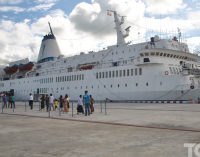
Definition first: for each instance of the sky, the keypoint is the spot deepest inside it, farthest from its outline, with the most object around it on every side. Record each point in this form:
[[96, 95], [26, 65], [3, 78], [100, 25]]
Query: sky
[[83, 25]]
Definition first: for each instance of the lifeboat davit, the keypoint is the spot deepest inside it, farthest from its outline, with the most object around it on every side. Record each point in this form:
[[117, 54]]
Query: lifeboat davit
[[86, 67]]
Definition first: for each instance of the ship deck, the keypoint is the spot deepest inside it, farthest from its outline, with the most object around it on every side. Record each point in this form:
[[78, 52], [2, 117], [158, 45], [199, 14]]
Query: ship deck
[[127, 129]]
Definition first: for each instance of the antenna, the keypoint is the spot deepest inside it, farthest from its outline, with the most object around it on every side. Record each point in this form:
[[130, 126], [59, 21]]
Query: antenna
[[50, 28]]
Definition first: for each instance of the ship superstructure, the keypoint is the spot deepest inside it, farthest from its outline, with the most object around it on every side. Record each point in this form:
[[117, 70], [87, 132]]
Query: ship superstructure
[[159, 69]]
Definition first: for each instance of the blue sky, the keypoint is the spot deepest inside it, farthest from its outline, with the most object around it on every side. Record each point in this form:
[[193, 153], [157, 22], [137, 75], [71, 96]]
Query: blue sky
[[24, 22]]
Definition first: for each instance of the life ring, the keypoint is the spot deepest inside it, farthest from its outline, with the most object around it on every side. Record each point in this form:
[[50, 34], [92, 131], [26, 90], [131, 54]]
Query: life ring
[[166, 72]]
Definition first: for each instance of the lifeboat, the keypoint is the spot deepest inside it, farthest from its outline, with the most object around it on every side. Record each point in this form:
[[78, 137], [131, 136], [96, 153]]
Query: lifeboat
[[11, 69], [28, 66], [86, 67], [21, 67]]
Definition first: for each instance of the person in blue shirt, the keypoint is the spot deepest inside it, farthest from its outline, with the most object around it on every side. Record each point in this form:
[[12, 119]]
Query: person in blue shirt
[[86, 99], [5, 101]]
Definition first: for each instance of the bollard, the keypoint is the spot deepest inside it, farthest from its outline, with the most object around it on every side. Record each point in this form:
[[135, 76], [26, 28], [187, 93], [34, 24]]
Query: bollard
[[101, 105], [72, 109], [2, 104], [59, 110], [25, 105], [105, 107], [49, 111]]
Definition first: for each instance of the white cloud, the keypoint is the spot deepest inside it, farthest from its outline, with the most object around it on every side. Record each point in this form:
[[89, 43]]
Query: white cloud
[[57, 12], [13, 8], [42, 7], [4, 16], [10, 1], [46, 1], [164, 6]]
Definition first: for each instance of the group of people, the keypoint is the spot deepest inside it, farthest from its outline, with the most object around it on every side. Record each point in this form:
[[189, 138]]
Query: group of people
[[86, 102], [9, 101]]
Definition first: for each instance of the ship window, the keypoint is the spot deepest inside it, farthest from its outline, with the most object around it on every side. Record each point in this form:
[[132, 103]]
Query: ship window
[[113, 74], [120, 73], [48, 80], [140, 71], [136, 84], [86, 87], [152, 53], [127, 72], [106, 74], [124, 72], [82, 76], [104, 86], [125, 85], [131, 72], [98, 86], [164, 54], [129, 50], [100, 75], [77, 77], [116, 73], [93, 56], [118, 85], [44, 80], [170, 69], [67, 87], [65, 78], [116, 52], [74, 77], [81, 87], [112, 53], [135, 71], [92, 86], [147, 84], [96, 75], [109, 74], [161, 54], [58, 79], [160, 83], [122, 51], [110, 86], [174, 70], [146, 60], [70, 78], [168, 55]]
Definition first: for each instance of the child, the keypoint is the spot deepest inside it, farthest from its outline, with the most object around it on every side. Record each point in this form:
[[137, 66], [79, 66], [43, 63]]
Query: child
[[56, 104]]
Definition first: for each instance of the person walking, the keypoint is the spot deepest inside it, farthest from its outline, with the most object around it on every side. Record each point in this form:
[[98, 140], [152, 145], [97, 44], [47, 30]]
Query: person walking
[[91, 104], [13, 101], [47, 102], [86, 99], [42, 102], [8, 100], [80, 105], [65, 104], [5, 101], [31, 101], [61, 102], [68, 101], [51, 98]]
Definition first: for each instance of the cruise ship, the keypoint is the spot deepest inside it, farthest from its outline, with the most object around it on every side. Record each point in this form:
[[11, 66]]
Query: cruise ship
[[158, 69]]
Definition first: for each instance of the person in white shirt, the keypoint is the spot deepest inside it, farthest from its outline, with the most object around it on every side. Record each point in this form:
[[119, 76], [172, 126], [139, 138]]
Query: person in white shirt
[[31, 101], [51, 98], [80, 105]]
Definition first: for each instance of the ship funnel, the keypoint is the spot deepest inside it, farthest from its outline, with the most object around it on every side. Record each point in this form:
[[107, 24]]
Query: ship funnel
[[49, 49]]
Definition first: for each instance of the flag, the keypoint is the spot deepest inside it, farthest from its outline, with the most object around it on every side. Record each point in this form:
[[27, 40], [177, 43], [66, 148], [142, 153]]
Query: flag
[[108, 13]]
